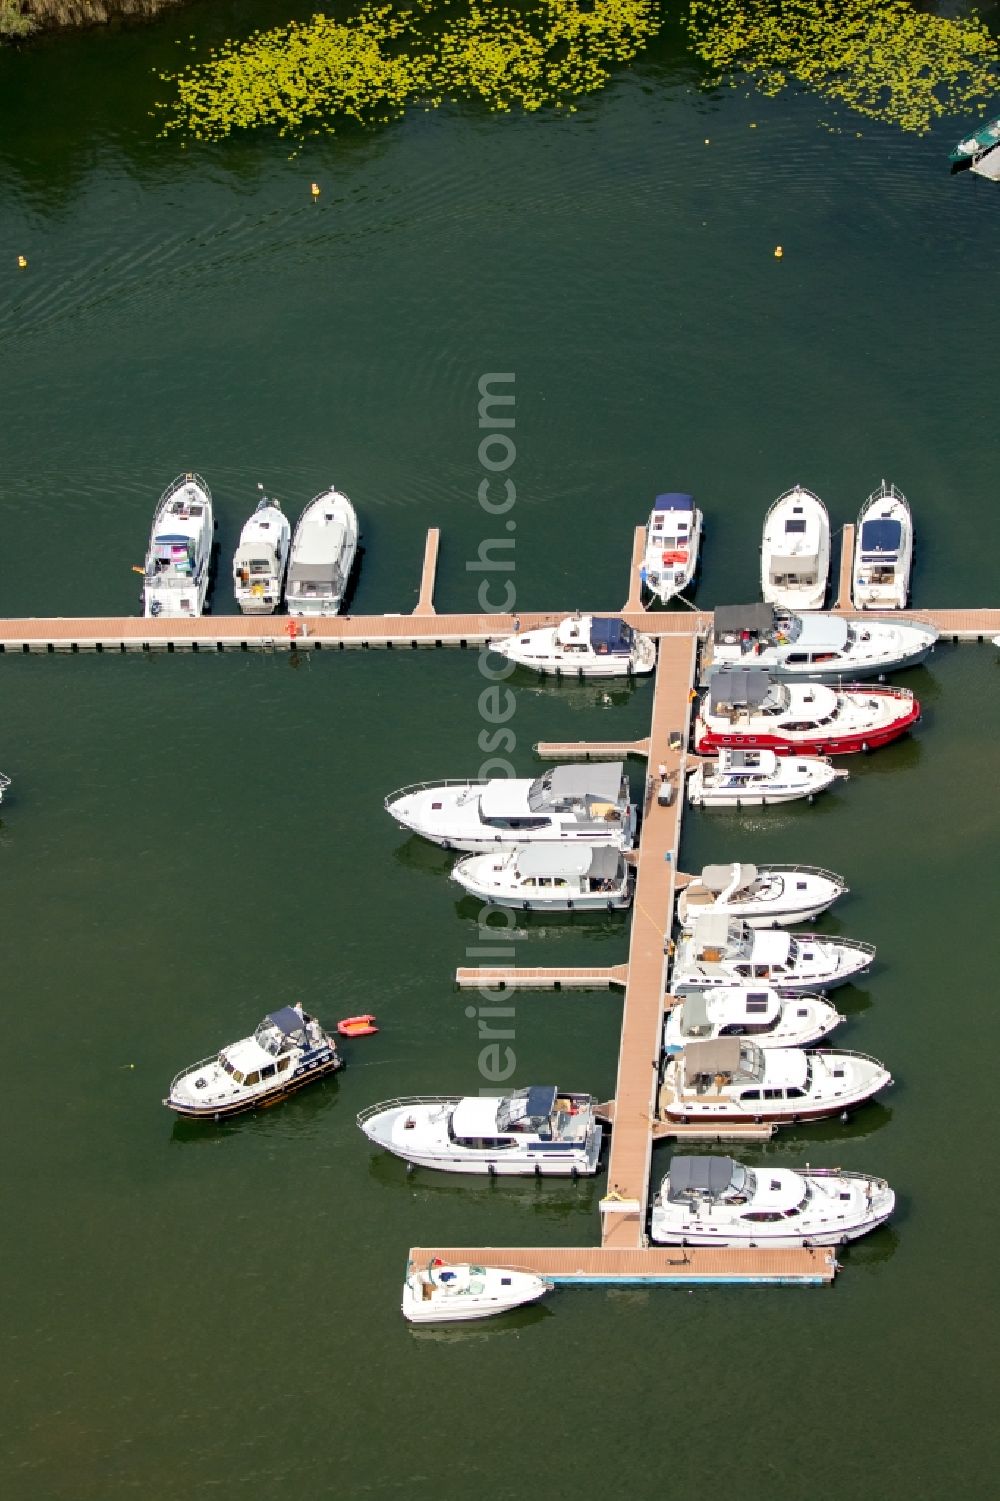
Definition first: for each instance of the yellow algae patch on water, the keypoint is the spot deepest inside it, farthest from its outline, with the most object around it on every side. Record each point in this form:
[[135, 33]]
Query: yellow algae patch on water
[[305, 77], [884, 58]]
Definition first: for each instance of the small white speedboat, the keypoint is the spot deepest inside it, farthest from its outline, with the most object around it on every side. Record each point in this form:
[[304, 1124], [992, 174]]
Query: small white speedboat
[[261, 559], [538, 1130], [582, 646], [772, 1020], [795, 555], [673, 537], [179, 559], [324, 547], [583, 804], [549, 877], [443, 1293], [288, 1051], [818, 647], [771, 896], [723, 950], [715, 1201], [757, 778], [883, 551], [733, 1080]]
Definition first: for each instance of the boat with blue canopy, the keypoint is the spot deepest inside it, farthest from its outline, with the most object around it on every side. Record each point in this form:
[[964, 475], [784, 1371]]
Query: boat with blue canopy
[[581, 646], [289, 1050], [883, 551], [179, 557], [673, 539]]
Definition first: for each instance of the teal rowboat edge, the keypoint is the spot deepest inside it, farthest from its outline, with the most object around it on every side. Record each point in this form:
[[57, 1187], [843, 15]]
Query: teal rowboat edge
[[983, 139]]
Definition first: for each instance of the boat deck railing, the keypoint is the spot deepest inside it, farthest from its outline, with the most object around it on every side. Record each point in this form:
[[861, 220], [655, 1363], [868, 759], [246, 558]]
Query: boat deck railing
[[403, 1102], [413, 787]]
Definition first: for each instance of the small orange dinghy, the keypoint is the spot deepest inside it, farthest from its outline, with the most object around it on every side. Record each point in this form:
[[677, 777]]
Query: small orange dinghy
[[357, 1026]]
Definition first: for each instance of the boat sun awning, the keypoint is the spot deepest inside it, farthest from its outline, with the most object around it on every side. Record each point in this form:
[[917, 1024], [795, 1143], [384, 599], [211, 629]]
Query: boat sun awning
[[611, 635], [719, 1055], [884, 535], [739, 685], [732, 620], [704, 1175], [313, 573], [717, 877], [674, 500], [568, 860], [287, 1020], [711, 930], [578, 781]]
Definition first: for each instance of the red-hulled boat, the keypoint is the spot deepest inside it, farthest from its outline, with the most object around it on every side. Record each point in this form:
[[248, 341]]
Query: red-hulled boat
[[747, 708]]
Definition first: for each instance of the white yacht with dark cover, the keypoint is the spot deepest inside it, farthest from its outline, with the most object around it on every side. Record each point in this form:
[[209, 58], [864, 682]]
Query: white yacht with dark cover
[[582, 804], [261, 559], [540, 1131], [795, 554], [440, 1293], [716, 1201], [733, 1080], [179, 559], [549, 877], [323, 551], [581, 646], [883, 551], [770, 896], [288, 1051], [673, 537], [723, 950], [758, 778], [818, 647], [771, 1019]]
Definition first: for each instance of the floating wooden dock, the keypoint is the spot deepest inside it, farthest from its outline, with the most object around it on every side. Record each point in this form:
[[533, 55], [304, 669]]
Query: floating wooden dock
[[844, 602], [675, 1266], [591, 750], [514, 977]]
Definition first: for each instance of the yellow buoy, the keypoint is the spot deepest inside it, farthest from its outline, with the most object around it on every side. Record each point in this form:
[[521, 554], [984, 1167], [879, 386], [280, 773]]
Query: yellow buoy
[[315, 190], [778, 252], [22, 261]]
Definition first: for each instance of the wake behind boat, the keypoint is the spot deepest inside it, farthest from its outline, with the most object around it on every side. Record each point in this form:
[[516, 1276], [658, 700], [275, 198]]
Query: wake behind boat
[[795, 554], [443, 1294], [883, 551], [324, 547], [818, 647], [673, 537], [179, 558], [261, 559], [582, 646]]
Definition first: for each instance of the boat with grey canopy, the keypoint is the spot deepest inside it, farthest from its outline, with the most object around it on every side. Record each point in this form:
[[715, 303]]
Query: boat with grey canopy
[[324, 547], [771, 1019], [765, 897], [549, 877], [717, 1201], [819, 646]]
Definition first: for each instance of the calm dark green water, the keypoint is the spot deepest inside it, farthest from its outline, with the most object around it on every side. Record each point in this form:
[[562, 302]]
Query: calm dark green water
[[191, 840]]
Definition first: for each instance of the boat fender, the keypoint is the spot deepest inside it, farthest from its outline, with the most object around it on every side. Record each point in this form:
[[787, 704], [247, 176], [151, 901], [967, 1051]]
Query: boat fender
[[864, 746]]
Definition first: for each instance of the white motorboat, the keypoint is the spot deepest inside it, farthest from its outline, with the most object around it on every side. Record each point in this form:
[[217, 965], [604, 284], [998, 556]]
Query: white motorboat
[[261, 559], [323, 551], [715, 1201], [549, 877], [441, 1293], [722, 950], [734, 1080], [817, 647], [795, 555], [673, 537], [769, 896], [288, 1050], [538, 1130], [588, 804], [771, 1019], [4, 784], [582, 646], [744, 708], [179, 560], [757, 778], [883, 551]]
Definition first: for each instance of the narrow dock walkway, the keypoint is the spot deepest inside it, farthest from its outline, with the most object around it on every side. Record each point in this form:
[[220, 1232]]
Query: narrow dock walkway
[[678, 1266], [428, 574], [516, 977], [634, 601], [591, 750], [844, 601]]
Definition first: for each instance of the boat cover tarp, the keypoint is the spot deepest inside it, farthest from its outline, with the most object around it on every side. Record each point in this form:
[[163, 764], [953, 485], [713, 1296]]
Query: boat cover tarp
[[600, 782], [707, 1175], [612, 636], [674, 500], [553, 860], [732, 620], [719, 1055], [881, 536], [711, 930], [695, 1012], [821, 632], [718, 877], [287, 1020], [536, 1102], [793, 562], [739, 685], [314, 573]]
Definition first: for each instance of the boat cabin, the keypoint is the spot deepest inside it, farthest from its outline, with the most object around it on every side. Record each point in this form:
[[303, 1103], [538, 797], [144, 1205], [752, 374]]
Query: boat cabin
[[591, 794], [795, 561], [739, 1013], [671, 524], [573, 867], [734, 690], [741, 631], [600, 635], [881, 542], [484, 1123]]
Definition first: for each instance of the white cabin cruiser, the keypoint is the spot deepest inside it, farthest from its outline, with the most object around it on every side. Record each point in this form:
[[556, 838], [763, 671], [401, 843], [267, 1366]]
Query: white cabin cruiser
[[817, 647], [178, 563], [443, 1294], [549, 877], [538, 1130], [758, 778], [583, 646], [795, 555], [735, 1080], [743, 707], [883, 551], [323, 551], [723, 950], [673, 537], [584, 804], [261, 559], [765, 897], [772, 1020], [288, 1050], [714, 1201]]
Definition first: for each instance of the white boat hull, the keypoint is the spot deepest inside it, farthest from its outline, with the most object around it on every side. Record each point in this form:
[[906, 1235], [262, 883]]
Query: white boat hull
[[477, 1293], [334, 511], [795, 564], [871, 589]]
